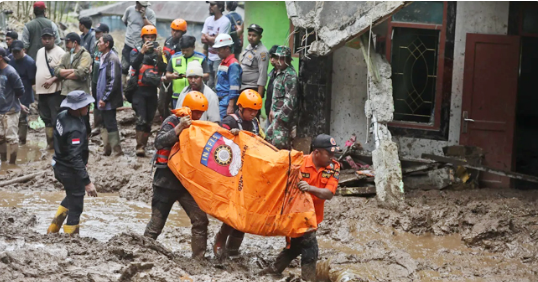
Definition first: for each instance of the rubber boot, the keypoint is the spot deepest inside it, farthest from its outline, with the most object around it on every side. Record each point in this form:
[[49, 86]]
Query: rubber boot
[[3, 151], [115, 143], [219, 245], [308, 272], [71, 230], [199, 246], [58, 220], [233, 244], [106, 142], [23, 132], [139, 147], [13, 148], [49, 132]]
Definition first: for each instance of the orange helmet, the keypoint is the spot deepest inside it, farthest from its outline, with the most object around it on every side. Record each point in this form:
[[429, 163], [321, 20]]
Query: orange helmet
[[148, 30], [196, 101], [179, 24], [250, 99]]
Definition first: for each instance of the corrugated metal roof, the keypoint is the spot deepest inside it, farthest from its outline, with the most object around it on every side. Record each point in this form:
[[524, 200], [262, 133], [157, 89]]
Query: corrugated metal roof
[[191, 11]]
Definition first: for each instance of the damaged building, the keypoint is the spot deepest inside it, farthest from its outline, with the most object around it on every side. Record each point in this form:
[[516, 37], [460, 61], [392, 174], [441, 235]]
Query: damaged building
[[459, 73]]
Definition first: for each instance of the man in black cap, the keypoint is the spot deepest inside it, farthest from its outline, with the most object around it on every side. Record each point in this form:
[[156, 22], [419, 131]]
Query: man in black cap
[[87, 38], [100, 30], [26, 68], [10, 36], [70, 160], [255, 61], [74, 69], [320, 173], [11, 89]]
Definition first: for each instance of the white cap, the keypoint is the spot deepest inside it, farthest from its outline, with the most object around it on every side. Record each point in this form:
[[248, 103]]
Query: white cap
[[144, 3], [223, 40], [194, 68]]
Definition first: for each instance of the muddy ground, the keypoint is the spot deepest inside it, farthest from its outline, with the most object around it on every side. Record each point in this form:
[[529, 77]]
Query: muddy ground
[[476, 235]]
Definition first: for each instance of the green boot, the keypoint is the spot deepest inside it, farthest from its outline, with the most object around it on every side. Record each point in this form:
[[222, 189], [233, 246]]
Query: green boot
[[106, 142], [49, 132], [114, 143]]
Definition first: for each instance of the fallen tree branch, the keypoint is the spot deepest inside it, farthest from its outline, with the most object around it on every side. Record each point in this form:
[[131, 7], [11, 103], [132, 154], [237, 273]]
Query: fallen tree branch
[[20, 179]]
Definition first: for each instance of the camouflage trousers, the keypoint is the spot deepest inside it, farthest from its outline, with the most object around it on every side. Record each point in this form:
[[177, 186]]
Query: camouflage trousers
[[279, 135]]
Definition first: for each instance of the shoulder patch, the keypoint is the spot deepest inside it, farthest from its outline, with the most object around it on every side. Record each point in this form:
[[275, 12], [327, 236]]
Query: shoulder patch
[[59, 128], [263, 56]]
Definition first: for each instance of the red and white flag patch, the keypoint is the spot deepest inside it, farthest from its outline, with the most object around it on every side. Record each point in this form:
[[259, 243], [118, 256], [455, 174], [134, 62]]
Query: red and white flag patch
[[75, 141]]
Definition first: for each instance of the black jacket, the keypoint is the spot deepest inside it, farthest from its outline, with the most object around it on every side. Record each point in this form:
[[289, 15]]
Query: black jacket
[[71, 145], [166, 138]]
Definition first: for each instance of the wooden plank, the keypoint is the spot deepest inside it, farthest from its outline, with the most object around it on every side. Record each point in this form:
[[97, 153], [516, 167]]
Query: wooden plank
[[355, 191], [456, 162]]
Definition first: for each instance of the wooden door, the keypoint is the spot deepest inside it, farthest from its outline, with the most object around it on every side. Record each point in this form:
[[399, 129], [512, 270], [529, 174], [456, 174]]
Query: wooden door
[[489, 100]]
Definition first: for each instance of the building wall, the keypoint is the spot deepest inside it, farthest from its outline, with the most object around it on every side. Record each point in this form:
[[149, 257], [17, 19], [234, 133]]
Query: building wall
[[349, 80]]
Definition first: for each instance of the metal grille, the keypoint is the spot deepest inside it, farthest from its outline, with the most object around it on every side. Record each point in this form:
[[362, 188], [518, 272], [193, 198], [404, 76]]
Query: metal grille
[[414, 74]]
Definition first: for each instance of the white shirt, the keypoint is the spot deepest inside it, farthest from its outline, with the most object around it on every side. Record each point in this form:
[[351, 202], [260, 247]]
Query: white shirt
[[214, 28], [212, 113], [42, 70]]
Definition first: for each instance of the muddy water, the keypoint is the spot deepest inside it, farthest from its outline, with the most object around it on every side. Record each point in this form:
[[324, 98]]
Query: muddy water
[[103, 217], [32, 151]]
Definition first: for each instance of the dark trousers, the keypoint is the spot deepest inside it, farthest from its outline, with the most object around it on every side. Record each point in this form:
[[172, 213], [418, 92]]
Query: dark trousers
[[145, 106], [49, 106], [23, 119], [74, 190], [125, 59], [165, 98], [161, 204], [97, 119], [306, 246], [109, 120]]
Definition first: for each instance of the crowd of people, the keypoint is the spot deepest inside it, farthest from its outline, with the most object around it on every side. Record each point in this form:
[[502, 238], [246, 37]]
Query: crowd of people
[[223, 84]]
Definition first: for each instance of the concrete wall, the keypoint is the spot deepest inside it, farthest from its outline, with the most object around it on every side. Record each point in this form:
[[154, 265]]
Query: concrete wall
[[349, 80]]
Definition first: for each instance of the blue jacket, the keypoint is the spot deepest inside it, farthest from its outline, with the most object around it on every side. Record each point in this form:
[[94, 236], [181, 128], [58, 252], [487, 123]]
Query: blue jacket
[[26, 69], [109, 88], [229, 79]]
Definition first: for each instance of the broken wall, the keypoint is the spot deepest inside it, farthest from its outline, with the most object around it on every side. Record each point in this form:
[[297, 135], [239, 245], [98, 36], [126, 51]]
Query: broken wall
[[349, 81]]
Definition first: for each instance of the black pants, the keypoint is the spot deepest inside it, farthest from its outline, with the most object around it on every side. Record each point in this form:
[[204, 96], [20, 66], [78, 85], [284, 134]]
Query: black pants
[[74, 190], [109, 120], [306, 246], [49, 106], [165, 99], [161, 204], [145, 106], [23, 118], [125, 59], [97, 119]]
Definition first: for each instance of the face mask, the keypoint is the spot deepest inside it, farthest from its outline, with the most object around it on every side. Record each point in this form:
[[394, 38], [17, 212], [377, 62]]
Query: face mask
[[72, 50]]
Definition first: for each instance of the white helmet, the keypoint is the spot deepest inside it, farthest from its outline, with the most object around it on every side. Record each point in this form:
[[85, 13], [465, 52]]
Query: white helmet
[[223, 40]]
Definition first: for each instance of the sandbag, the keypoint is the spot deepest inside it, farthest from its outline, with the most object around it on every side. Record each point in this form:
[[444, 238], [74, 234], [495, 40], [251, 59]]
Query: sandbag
[[243, 181]]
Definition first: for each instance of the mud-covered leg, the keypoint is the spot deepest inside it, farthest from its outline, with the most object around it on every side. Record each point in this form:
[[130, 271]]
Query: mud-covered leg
[[219, 245], [199, 223], [161, 204], [234, 242], [284, 258], [309, 256]]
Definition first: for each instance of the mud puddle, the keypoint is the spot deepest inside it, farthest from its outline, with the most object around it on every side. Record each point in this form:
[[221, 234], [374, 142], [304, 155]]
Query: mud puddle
[[103, 217], [32, 151]]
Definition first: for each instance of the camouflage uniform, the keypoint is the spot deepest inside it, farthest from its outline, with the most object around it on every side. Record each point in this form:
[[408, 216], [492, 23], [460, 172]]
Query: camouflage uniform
[[284, 104]]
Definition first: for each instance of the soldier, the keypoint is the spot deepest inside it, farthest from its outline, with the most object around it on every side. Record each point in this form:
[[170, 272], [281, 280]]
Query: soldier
[[284, 108], [167, 189], [320, 174], [70, 160], [249, 103], [255, 61]]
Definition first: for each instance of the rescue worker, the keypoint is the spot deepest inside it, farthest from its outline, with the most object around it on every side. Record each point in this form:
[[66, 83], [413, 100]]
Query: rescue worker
[[177, 67], [228, 75], [167, 189], [97, 120], [249, 103], [320, 174], [171, 47], [11, 89], [195, 75], [26, 68], [147, 65], [70, 160], [283, 113], [32, 32], [254, 61], [109, 94]]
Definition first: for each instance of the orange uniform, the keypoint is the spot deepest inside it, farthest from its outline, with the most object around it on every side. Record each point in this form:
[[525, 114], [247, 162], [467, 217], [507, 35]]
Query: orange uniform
[[323, 178]]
